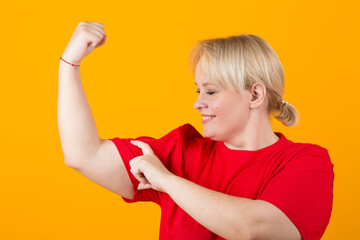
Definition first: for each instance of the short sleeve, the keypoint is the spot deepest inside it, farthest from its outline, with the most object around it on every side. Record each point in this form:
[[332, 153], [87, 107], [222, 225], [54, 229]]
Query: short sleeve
[[303, 190], [166, 148]]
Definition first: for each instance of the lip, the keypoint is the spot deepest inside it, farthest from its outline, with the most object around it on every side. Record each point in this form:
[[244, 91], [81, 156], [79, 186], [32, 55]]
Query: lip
[[207, 119]]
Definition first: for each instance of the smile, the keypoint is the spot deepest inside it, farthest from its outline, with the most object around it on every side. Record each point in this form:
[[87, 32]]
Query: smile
[[207, 117]]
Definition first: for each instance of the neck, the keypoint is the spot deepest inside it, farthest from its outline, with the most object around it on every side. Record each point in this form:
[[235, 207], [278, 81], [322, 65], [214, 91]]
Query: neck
[[256, 135]]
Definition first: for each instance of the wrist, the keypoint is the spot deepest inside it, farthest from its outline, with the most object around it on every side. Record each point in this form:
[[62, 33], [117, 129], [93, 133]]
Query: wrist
[[169, 183], [74, 64]]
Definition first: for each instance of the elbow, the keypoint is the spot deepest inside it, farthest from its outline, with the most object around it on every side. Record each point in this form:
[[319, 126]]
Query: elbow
[[244, 233], [69, 163], [73, 162], [81, 156], [251, 234], [251, 229]]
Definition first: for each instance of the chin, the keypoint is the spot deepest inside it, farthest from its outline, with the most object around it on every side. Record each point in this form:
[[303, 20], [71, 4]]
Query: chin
[[215, 135], [206, 133], [211, 135]]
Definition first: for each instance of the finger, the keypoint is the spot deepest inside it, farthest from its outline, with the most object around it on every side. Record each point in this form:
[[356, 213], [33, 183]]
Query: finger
[[94, 39], [96, 30], [135, 169], [139, 175], [134, 161], [102, 42], [142, 186], [146, 149], [98, 24], [141, 178], [93, 25]]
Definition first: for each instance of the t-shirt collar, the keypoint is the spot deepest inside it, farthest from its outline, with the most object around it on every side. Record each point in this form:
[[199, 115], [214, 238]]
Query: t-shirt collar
[[223, 148]]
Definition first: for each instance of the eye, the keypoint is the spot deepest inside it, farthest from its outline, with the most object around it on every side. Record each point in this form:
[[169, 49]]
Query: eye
[[207, 92]]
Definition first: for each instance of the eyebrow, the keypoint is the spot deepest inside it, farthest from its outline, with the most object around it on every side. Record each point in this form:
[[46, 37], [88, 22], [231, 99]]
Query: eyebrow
[[205, 84]]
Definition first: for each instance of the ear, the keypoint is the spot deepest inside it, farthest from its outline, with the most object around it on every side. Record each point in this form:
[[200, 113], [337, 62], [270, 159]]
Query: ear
[[258, 94]]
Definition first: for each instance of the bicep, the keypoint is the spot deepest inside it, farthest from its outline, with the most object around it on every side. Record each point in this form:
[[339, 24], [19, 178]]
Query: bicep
[[107, 169]]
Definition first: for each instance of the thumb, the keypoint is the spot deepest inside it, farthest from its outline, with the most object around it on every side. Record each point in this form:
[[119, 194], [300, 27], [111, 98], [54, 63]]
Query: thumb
[[143, 186], [102, 42], [90, 47]]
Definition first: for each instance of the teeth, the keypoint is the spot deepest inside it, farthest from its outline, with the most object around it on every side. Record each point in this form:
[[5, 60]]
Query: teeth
[[207, 117]]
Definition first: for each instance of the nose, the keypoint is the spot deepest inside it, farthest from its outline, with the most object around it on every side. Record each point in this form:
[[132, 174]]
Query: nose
[[200, 103]]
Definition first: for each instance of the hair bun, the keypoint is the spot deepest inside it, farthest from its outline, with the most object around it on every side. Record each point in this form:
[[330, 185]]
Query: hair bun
[[287, 114]]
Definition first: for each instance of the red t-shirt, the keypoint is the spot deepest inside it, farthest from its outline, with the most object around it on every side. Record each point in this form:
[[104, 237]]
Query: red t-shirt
[[295, 177]]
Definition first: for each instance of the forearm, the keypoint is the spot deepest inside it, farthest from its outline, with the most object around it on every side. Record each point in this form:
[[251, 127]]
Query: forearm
[[77, 129], [228, 216]]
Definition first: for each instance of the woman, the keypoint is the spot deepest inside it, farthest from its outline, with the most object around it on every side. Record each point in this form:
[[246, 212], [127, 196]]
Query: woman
[[240, 181]]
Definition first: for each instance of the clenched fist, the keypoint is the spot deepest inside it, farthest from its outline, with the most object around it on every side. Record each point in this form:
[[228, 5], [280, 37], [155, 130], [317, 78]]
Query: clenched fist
[[86, 37]]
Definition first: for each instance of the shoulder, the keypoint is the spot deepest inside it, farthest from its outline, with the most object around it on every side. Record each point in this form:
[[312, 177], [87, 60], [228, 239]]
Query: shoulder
[[186, 131], [173, 138], [183, 133], [175, 141], [301, 186], [307, 154]]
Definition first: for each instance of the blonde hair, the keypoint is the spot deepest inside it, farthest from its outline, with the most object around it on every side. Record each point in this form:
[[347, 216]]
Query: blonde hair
[[241, 61]]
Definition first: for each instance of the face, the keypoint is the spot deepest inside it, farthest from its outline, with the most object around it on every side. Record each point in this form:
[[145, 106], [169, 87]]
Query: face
[[224, 111]]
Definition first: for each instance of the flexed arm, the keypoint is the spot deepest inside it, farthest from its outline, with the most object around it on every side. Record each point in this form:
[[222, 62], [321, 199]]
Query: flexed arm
[[78, 133], [94, 158]]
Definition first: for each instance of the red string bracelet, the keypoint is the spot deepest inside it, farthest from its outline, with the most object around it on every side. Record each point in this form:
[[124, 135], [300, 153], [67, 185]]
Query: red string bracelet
[[75, 66]]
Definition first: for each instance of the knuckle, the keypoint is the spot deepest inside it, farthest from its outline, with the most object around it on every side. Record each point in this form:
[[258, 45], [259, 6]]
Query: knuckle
[[82, 24], [82, 28]]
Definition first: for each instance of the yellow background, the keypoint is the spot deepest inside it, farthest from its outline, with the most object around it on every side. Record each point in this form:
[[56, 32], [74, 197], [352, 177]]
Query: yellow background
[[138, 84]]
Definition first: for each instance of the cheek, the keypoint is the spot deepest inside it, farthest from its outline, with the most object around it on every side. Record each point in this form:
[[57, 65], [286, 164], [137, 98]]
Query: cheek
[[232, 111], [224, 106], [225, 114], [217, 108], [214, 106]]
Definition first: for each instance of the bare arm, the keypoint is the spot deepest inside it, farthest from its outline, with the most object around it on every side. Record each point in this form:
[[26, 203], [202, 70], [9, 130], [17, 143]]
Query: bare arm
[[231, 217], [78, 133], [96, 159]]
